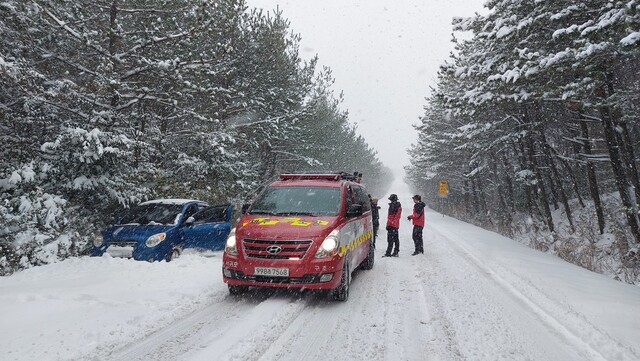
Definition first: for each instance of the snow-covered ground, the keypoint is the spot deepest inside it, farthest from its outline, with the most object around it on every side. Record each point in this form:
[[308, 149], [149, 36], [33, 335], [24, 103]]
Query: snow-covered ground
[[473, 295]]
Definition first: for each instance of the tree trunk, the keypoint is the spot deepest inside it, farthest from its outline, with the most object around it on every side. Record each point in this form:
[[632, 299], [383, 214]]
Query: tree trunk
[[556, 175], [553, 188], [268, 160], [467, 197], [504, 213], [624, 187], [528, 189], [630, 159], [113, 38], [626, 147], [591, 173], [574, 180], [483, 200], [542, 191], [628, 195], [509, 182], [475, 200]]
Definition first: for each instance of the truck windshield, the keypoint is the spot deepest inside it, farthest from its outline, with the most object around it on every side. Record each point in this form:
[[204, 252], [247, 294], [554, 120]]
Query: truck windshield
[[298, 201], [154, 213]]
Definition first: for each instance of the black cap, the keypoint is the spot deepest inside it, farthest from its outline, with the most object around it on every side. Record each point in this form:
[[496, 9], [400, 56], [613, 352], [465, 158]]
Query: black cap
[[393, 197], [417, 197]]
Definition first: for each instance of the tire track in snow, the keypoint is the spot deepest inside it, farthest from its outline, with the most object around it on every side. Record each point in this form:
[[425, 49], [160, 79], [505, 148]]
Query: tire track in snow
[[476, 321], [329, 330], [170, 342], [311, 327], [254, 332], [407, 319], [579, 333], [566, 315], [446, 348], [332, 330]]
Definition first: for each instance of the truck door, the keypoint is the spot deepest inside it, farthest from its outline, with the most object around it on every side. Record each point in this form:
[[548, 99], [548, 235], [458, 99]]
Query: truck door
[[363, 224]]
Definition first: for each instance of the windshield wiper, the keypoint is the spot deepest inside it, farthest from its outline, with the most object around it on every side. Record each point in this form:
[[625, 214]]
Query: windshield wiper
[[268, 213], [295, 214]]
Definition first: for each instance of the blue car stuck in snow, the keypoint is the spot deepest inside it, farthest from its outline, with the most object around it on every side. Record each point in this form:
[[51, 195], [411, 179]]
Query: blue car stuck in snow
[[161, 229]]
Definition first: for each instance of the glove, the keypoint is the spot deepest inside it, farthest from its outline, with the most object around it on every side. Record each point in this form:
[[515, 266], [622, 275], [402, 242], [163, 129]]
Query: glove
[[409, 217], [389, 228]]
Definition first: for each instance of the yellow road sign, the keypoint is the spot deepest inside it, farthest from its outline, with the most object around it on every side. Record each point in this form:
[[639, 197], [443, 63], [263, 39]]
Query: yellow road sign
[[443, 188]]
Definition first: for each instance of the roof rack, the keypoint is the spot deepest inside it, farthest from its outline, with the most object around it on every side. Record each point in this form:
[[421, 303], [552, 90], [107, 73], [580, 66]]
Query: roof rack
[[355, 177]]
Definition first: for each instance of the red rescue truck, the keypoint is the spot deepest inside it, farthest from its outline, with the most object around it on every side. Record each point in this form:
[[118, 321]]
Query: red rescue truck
[[306, 231]]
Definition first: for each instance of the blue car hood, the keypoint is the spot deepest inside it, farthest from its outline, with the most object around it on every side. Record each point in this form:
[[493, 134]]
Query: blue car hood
[[133, 232]]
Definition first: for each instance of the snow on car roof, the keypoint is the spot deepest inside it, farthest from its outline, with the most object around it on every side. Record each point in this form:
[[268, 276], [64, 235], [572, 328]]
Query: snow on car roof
[[172, 201]]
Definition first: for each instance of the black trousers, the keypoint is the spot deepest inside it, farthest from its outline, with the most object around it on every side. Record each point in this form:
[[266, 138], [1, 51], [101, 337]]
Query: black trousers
[[417, 238], [375, 233], [392, 240]]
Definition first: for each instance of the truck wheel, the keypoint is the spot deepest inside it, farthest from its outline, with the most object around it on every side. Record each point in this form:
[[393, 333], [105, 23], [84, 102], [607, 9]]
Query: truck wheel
[[237, 290], [342, 292], [367, 263]]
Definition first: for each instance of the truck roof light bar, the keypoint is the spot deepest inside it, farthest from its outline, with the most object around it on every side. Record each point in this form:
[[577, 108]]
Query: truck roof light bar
[[355, 177]]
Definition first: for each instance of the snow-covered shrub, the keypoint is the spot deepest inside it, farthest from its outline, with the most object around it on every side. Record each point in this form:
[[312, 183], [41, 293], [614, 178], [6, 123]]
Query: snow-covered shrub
[[32, 220], [50, 210], [93, 167]]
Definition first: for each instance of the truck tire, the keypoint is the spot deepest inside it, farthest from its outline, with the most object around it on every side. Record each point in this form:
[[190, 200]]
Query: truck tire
[[342, 292], [368, 262], [237, 290]]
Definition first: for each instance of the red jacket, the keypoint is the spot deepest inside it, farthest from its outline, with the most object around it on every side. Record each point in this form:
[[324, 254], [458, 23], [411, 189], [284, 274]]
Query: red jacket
[[393, 220], [418, 214]]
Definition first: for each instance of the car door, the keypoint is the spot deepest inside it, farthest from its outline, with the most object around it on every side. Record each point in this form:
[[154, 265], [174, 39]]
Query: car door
[[209, 229]]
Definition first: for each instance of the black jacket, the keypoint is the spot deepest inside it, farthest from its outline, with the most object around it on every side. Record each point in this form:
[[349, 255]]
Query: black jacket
[[375, 214]]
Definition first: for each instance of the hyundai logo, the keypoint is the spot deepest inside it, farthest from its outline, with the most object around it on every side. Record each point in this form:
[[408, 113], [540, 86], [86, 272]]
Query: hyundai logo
[[274, 249]]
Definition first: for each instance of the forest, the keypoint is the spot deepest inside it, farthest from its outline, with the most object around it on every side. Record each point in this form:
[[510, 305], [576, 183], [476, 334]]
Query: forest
[[534, 121], [104, 104]]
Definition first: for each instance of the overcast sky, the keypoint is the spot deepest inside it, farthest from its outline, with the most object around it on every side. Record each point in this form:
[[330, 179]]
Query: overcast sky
[[384, 56]]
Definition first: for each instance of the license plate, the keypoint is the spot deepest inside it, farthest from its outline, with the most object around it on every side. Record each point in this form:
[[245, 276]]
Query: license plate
[[120, 251], [271, 271]]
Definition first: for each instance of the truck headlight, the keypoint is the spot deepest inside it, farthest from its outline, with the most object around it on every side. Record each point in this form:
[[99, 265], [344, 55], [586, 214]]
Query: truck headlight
[[98, 241], [329, 246], [155, 239], [230, 248]]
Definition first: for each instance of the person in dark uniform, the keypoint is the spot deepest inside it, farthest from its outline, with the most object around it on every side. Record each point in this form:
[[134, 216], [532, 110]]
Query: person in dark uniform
[[393, 224], [375, 216], [417, 218]]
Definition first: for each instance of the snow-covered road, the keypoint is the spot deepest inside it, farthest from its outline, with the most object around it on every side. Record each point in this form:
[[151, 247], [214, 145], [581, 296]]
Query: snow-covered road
[[473, 295]]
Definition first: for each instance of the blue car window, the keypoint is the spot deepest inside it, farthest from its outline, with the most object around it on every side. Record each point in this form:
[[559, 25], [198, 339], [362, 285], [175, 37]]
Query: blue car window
[[191, 210], [153, 213], [211, 215]]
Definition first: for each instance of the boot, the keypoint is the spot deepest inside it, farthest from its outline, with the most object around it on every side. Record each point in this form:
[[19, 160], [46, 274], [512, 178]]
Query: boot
[[415, 253]]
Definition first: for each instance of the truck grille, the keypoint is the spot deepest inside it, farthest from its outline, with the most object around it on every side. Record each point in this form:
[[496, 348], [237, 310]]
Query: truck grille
[[308, 278], [275, 249]]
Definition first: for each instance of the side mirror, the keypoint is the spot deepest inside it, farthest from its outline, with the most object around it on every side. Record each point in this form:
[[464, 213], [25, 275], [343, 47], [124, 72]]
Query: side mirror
[[355, 210], [190, 221], [245, 207]]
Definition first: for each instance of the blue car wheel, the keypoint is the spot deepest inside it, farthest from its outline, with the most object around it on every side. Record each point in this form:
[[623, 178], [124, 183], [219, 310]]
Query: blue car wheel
[[175, 253]]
